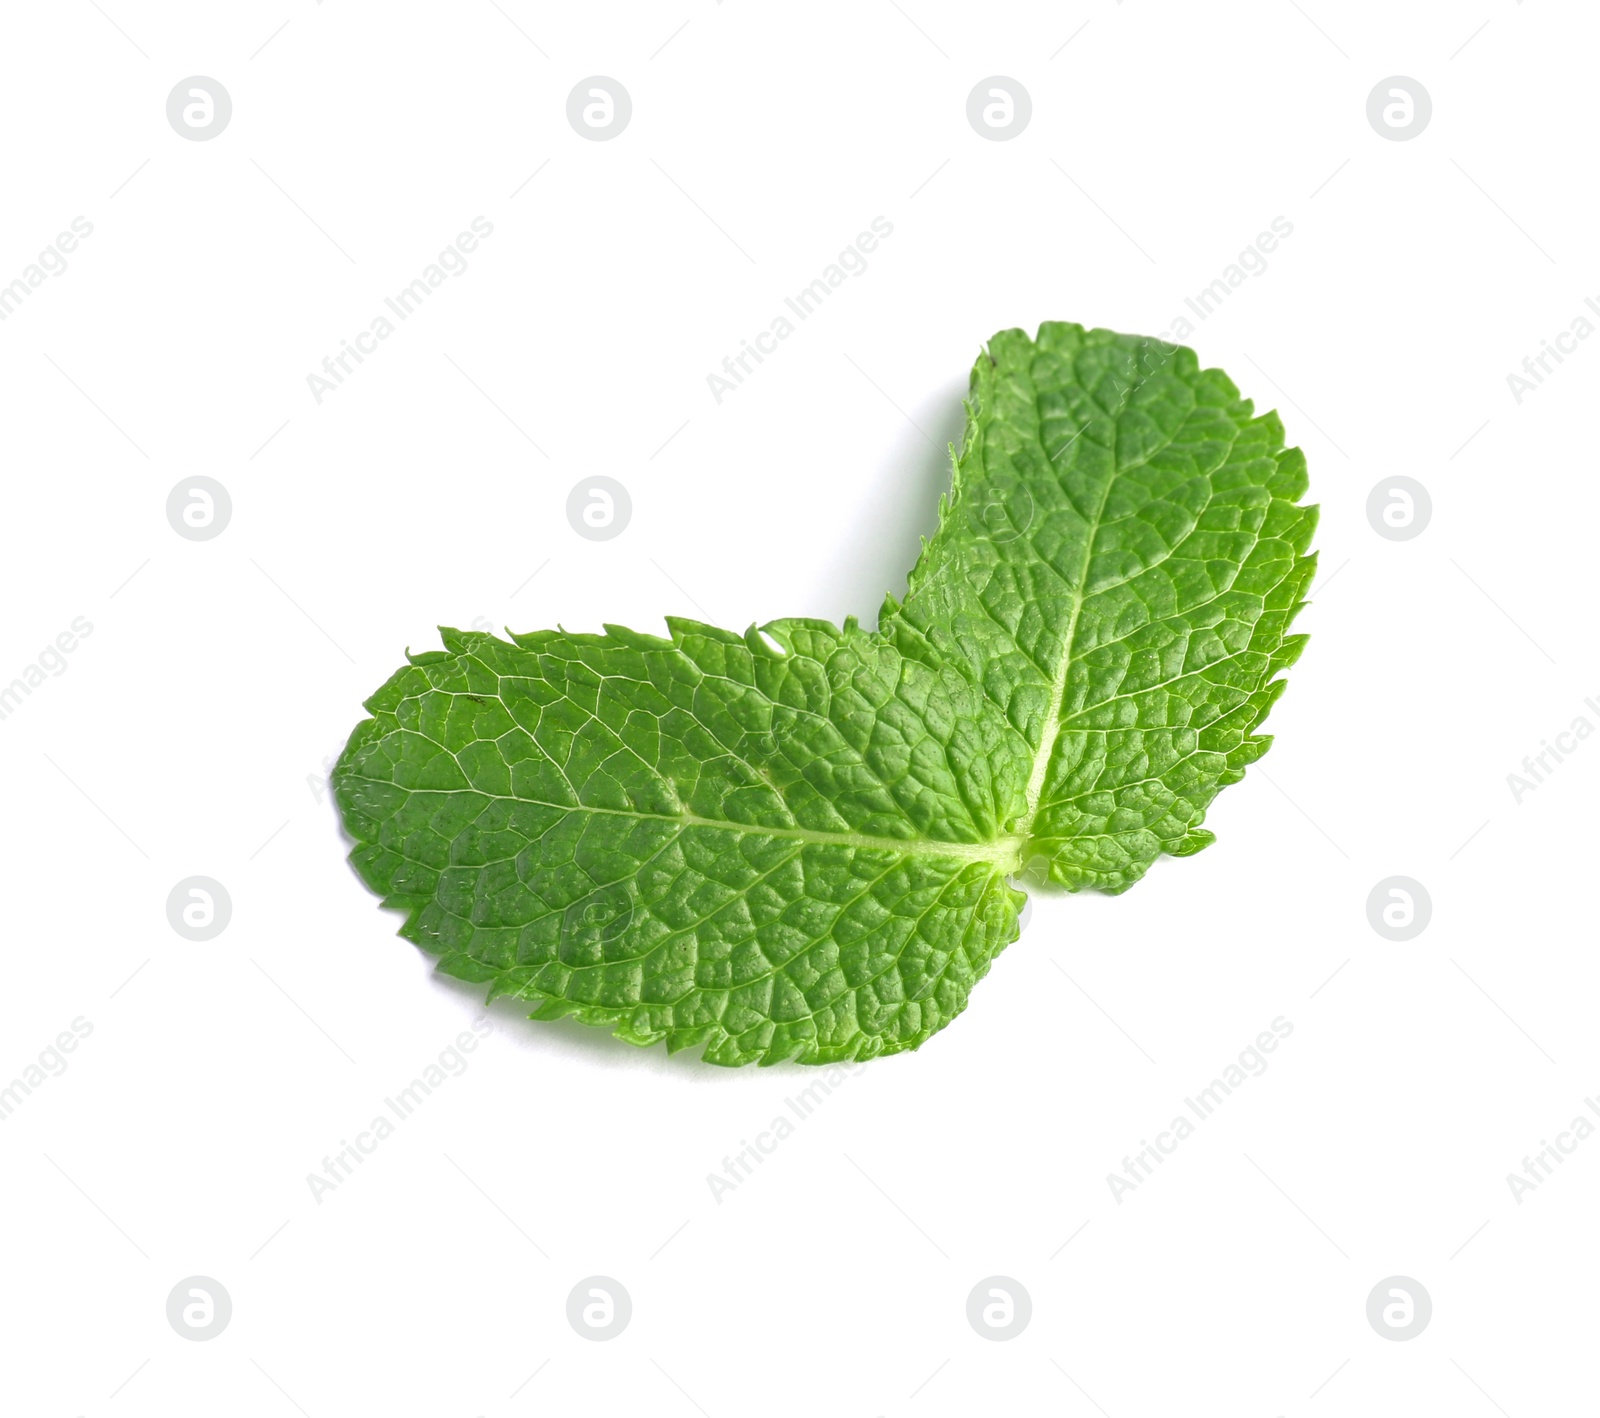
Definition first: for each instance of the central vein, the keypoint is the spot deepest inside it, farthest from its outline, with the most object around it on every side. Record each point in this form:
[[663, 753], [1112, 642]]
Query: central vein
[[1058, 681], [1004, 853]]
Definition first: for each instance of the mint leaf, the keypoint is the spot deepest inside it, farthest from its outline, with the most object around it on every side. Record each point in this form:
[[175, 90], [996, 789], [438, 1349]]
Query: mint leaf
[[795, 842]]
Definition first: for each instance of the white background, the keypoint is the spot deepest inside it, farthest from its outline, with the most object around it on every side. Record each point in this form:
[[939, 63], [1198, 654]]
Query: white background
[[188, 733]]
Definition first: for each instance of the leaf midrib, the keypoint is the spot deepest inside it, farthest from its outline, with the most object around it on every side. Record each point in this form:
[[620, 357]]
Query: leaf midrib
[[1058, 681], [1004, 853]]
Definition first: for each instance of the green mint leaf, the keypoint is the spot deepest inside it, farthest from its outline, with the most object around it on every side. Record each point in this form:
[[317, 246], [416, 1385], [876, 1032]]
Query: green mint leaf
[[796, 842]]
